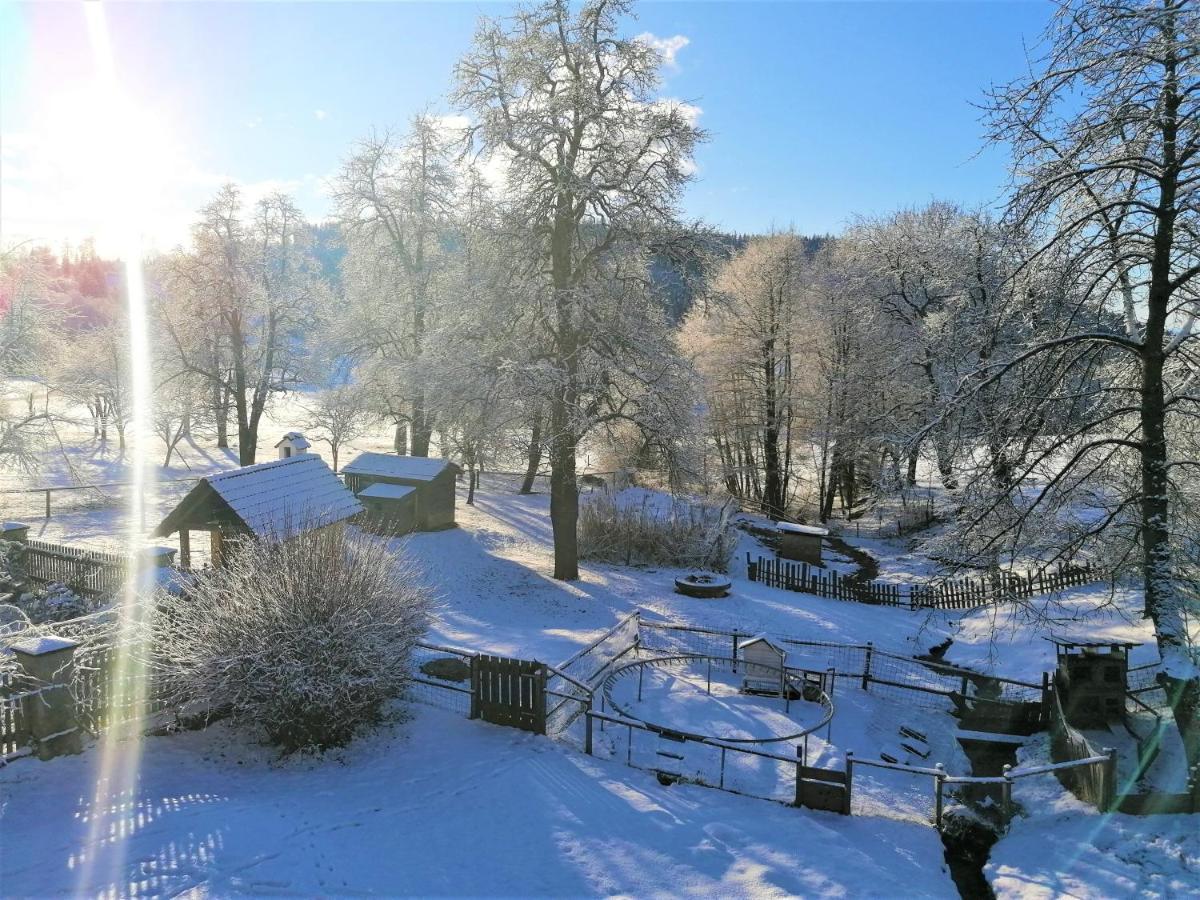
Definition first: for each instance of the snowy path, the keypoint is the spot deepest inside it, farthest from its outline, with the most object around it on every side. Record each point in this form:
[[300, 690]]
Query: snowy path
[[444, 806]]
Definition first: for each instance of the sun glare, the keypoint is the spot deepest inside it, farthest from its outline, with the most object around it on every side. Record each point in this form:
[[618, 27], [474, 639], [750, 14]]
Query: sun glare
[[122, 143]]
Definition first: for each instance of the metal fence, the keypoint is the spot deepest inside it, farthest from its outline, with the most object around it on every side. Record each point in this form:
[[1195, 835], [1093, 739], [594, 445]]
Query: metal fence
[[924, 683]]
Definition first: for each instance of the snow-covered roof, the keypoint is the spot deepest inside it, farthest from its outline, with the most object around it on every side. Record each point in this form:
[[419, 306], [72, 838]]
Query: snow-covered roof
[[36, 646], [389, 465], [761, 639], [296, 439], [383, 490], [275, 497], [793, 528]]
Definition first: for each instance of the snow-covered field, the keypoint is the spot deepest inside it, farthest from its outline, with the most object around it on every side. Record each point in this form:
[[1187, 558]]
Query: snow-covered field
[[440, 805]]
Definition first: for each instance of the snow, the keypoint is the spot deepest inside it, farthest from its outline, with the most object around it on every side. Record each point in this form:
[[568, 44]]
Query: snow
[[792, 528], [300, 491], [38, 646], [414, 809], [1061, 847], [441, 806], [389, 465]]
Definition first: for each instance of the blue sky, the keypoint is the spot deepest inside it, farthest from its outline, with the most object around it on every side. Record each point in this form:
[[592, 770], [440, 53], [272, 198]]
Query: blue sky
[[817, 111]]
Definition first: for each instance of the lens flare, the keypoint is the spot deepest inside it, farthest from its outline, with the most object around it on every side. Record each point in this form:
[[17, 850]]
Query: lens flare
[[116, 781]]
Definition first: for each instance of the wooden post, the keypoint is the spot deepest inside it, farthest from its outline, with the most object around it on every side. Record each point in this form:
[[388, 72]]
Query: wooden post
[[47, 503], [849, 782], [939, 784], [1006, 794], [866, 678], [185, 549], [1108, 802], [474, 665], [587, 733]]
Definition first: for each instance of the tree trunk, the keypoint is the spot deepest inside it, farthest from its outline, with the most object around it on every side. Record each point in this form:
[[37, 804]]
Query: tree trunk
[[564, 495], [422, 427], [534, 459], [400, 439], [221, 410]]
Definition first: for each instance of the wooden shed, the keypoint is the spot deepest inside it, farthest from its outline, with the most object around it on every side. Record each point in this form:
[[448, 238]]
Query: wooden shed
[[801, 542], [388, 508], [433, 480], [271, 499]]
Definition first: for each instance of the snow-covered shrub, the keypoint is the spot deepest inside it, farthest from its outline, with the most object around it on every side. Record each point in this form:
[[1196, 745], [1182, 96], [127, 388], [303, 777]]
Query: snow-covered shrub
[[53, 602], [638, 527], [307, 638]]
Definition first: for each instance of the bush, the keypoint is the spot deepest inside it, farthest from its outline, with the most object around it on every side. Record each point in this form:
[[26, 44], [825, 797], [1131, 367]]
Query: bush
[[307, 638], [636, 527]]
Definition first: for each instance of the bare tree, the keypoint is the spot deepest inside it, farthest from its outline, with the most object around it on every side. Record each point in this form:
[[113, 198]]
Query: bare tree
[[594, 165], [337, 416]]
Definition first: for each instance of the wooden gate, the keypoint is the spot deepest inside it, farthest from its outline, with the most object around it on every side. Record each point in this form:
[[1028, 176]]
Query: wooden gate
[[511, 692]]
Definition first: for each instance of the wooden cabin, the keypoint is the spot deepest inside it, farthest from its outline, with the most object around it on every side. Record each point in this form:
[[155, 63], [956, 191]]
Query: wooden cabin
[[267, 500], [388, 508], [433, 481]]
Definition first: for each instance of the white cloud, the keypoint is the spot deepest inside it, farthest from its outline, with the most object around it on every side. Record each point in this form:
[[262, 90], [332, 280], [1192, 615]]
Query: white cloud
[[320, 114], [669, 47]]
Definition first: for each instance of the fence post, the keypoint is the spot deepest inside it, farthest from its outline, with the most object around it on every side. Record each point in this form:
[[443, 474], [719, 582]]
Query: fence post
[[1109, 800], [587, 734], [866, 678], [939, 783], [849, 782], [1006, 794], [474, 664], [50, 709], [734, 657]]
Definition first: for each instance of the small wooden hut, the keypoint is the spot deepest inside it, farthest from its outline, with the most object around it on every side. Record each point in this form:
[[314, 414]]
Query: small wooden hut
[[389, 508], [801, 542], [292, 444], [272, 499], [432, 479], [764, 662]]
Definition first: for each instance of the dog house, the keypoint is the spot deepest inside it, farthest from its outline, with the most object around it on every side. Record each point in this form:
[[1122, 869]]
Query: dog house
[[801, 542], [1091, 678], [292, 444], [763, 665], [433, 481], [270, 500]]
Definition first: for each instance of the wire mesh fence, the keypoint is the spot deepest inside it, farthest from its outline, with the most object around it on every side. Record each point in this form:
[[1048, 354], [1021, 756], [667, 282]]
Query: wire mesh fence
[[442, 678]]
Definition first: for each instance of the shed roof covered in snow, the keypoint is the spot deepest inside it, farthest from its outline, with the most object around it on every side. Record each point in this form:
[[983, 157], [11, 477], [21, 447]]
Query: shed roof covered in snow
[[381, 490], [389, 465], [268, 499], [793, 528]]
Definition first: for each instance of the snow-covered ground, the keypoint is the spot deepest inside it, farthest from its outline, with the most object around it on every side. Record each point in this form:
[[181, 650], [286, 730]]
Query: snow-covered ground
[[440, 806], [1061, 847]]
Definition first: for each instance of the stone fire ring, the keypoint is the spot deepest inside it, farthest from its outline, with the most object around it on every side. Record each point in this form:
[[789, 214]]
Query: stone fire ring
[[701, 584]]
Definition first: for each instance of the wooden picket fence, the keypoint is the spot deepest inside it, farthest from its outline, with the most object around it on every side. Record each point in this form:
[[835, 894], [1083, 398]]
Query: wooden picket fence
[[92, 572], [964, 593]]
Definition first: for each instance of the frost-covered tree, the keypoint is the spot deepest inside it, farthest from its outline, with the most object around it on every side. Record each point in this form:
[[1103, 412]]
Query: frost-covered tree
[[337, 416], [235, 305], [1105, 132], [395, 203], [594, 162]]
